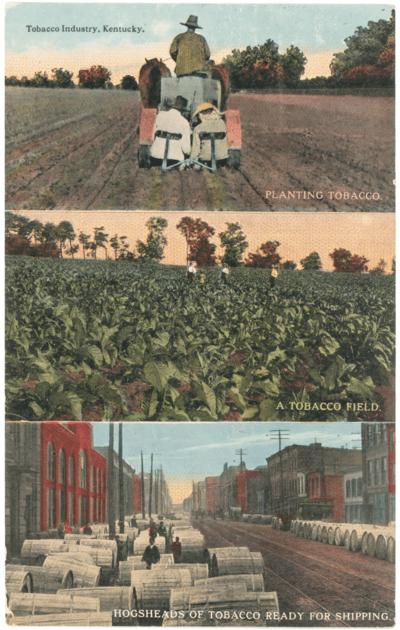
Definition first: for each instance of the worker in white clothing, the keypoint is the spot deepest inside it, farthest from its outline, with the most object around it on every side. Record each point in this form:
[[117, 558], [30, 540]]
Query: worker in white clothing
[[172, 133]]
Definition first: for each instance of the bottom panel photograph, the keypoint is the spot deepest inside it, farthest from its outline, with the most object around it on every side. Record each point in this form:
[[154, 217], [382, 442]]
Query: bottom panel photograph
[[203, 524]]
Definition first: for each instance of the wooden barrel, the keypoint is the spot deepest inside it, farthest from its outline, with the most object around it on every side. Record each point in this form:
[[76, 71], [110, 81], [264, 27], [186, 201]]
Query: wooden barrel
[[140, 543], [83, 574], [391, 549], [371, 545], [346, 538], [152, 589], [69, 619], [103, 557], [103, 545], [192, 542], [35, 551], [381, 547], [234, 560], [45, 603], [254, 581], [225, 599], [198, 571], [364, 539], [134, 563], [45, 580], [314, 531], [324, 534], [18, 579], [331, 535], [110, 597], [355, 539], [338, 535], [79, 556], [78, 537]]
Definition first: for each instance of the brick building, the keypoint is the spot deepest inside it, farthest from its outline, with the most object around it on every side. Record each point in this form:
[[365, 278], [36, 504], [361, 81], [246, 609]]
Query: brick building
[[327, 489], [259, 492], [353, 497], [228, 488], [378, 468], [243, 478], [73, 476], [212, 495], [290, 467], [22, 483]]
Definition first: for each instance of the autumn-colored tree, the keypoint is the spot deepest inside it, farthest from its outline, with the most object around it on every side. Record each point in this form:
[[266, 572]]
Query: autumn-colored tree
[[312, 262], [233, 240], [266, 256], [197, 234], [345, 261], [94, 77]]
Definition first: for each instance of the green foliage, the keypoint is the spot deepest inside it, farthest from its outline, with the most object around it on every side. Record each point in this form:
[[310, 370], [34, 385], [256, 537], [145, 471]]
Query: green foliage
[[62, 78], [128, 82], [92, 339], [312, 262], [153, 248], [233, 240]]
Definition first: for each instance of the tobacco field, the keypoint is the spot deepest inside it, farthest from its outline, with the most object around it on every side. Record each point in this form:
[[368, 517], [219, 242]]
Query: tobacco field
[[77, 149], [98, 340]]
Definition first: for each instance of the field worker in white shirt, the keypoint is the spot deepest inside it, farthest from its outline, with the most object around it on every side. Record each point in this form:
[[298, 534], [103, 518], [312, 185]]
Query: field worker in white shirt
[[224, 273], [191, 270], [172, 125]]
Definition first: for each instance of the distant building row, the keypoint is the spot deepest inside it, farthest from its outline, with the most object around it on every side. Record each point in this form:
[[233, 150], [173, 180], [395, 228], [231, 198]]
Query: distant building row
[[311, 481]]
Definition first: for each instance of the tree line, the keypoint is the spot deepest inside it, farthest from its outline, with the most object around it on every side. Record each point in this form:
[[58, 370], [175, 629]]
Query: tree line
[[30, 237], [95, 77], [367, 61]]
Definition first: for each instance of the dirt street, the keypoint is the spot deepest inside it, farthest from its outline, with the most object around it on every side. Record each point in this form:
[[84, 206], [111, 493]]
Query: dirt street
[[312, 577]]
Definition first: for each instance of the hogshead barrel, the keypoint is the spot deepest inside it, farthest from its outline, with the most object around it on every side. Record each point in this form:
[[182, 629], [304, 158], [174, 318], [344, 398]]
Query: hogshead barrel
[[234, 560], [69, 619], [36, 550], [152, 589], [391, 549], [254, 581], [78, 556], [78, 537], [134, 563], [356, 534], [226, 599], [103, 557], [338, 536], [18, 579], [183, 598], [45, 604], [192, 542], [104, 545], [110, 597], [45, 580], [371, 545], [197, 570], [83, 574]]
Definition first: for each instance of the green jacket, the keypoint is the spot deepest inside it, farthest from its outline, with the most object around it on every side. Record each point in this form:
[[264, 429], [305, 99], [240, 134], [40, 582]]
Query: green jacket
[[191, 53]]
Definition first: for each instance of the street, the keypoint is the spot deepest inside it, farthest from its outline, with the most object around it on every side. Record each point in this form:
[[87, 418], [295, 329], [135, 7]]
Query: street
[[323, 581]]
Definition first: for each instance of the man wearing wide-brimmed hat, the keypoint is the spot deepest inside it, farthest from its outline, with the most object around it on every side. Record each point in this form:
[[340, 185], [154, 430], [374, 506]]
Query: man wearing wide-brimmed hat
[[190, 50]]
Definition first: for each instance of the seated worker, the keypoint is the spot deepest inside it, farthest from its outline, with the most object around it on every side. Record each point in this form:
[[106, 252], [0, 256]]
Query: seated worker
[[171, 122], [190, 50], [210, 122]]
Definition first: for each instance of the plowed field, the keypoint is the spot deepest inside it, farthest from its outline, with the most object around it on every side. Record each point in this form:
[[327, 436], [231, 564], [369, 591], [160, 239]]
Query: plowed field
[[76, 149]]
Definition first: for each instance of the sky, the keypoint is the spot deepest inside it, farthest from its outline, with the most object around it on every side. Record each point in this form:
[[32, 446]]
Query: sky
[[319, 30], [192, 451], [367, 233]]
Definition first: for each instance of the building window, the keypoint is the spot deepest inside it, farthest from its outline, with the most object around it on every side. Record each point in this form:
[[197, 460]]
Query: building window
[[82, 469], [62, 480], [348, 488], [71, 508], [377, 475], [71, 470], [359, 487], [51, 461], [353, 487], [51, 508], [83, 511], [384, 469], [62, 468]]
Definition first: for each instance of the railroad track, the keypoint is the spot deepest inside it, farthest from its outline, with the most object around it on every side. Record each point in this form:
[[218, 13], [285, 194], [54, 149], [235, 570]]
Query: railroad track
[[239, 533]]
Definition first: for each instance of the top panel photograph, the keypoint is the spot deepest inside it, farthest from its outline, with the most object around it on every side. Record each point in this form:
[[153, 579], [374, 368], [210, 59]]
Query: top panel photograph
[[179, 107]]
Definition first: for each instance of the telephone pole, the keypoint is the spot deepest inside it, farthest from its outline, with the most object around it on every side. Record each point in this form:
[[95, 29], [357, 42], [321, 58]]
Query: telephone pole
[[280, 435], [142, 485], [121, 494], [240, 452], [111, 489], [151, 485]]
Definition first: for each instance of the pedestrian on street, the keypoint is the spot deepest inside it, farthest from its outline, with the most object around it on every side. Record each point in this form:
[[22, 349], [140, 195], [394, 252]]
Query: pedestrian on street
[[176, 549], [151, 554]]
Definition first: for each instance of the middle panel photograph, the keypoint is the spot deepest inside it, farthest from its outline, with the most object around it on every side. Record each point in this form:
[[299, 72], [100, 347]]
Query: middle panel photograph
[[199, 316]]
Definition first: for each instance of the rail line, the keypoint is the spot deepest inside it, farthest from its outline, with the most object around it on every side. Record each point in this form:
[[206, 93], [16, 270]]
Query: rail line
[[291, 585]]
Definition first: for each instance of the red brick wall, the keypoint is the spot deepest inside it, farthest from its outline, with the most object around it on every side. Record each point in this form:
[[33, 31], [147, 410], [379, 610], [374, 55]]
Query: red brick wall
[[72, 438], [329, 490], [241, 488], [212, 498]]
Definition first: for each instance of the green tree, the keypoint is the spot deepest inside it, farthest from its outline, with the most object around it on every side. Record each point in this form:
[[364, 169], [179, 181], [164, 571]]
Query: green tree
[[62, 78], [84, 240], [289, 264], [100, 239], [65, 232], [153, 248], [293, 63], [128, 82], [40, 79], [312, 262], [233, 240]]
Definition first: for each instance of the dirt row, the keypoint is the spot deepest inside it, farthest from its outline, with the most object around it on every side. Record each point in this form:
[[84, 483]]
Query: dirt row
[[301, 143], [311, 577]]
